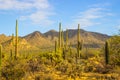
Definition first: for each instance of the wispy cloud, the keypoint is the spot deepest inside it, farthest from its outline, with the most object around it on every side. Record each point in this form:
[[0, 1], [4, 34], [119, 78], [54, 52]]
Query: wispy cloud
[[92, 16], [23, 4], [39, 10]]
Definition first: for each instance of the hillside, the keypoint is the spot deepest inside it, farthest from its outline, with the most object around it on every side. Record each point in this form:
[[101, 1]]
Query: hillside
[[4, 38], [38, 40], [91, 39], [22, 43]]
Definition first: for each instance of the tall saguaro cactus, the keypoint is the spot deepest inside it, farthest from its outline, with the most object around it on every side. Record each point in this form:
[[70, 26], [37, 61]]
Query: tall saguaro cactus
[[16, 40], [59, 35], [106, 52], [78, 41], [62, 39], [0, 59], [66, 42], [13, 43]]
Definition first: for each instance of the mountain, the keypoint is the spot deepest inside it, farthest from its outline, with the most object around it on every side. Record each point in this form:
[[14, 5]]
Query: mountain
[[51, 35], [91, 39], [37, 39]]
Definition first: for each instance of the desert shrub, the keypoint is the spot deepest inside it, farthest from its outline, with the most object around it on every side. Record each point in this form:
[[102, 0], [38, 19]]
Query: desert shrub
[[13, 74], [114, 47], [62, 66], [97, 65], [44, 76], [33, 65]]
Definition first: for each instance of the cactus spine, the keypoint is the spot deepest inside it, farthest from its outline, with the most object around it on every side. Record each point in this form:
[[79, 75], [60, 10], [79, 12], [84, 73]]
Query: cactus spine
[[59, 35], [16, 41], [106, 52], [0, 59]]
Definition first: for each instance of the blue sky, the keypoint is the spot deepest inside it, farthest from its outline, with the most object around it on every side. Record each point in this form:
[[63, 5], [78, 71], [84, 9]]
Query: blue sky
[[42, 15]]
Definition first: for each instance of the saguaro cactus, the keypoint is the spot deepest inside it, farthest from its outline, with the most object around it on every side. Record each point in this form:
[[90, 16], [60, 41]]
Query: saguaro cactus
[[70, 49], [62, 39], [64, 54], [66, 42], [106, 52], [59, 35], [11, 54], [13, 42], [0, 59], [78, 41], [16, 40], [55, 46]]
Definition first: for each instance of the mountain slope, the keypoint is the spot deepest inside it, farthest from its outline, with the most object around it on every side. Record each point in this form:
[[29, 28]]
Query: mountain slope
[[37, 39], [51, 35], [23, 45], [4, 38], [91, 39]]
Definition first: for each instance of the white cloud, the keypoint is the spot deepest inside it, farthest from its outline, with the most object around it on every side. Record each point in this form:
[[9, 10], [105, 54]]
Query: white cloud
[[40, 17], [92, 16], [38, 11], [23, 4]]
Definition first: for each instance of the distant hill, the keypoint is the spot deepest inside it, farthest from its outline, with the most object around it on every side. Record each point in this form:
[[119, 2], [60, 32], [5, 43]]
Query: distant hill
[[4, 38], [37, 40], [22, 43], [52, 35], [91, 39]]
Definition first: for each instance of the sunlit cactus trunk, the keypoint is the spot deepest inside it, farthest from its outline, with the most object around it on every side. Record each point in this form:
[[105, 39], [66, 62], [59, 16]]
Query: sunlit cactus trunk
[[16, 41], [66, 42], [62, 45], [13, 44], [62, 39], [0, 59], [59, 36], [70, 50], [106, 52]]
